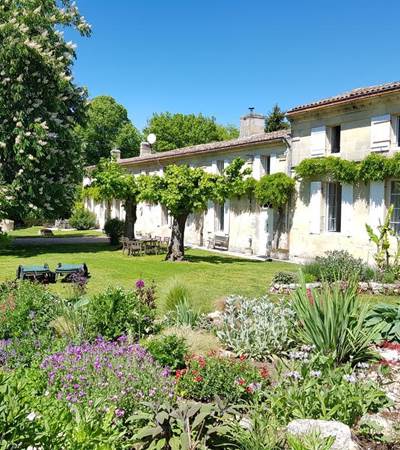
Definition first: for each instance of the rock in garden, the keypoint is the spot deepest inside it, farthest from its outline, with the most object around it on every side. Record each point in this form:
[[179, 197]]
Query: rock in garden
[[326, 428], [384, 424]]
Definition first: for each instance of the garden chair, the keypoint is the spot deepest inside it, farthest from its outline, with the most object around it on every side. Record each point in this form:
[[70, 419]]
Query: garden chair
[[125, 245], [135, 248], [68, 270]]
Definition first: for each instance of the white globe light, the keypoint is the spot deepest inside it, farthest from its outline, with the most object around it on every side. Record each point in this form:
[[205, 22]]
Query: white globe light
[[151, 138]]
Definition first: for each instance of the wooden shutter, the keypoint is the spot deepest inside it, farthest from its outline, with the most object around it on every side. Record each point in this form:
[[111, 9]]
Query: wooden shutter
[[376, 203], [318, 141], [347, 209], [314, 209], [380, 132]]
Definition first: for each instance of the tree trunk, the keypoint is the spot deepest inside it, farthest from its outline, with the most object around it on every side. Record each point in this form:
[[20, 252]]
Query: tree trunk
[[176, 248], [130, 219]]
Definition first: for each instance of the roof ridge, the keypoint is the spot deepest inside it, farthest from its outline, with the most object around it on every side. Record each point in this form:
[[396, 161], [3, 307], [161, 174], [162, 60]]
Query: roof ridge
[[348, 96]]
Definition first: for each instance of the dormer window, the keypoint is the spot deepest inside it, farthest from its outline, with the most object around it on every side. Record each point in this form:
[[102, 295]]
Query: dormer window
[[335, 139]]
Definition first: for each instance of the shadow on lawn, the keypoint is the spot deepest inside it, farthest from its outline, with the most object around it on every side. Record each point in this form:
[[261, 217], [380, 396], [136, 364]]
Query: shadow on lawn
[[217, 259], [31, 250]]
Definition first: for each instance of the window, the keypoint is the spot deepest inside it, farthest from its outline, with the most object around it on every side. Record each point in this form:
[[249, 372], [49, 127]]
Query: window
[[395, 201], [266, 164], [219, 217], [220, 166], [398, 131], [333, 206], [380, 133], [335, 139], [318, 141]]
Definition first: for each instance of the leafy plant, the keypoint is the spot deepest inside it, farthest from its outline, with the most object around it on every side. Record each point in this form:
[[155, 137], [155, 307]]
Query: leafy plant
[[169, 351], [267, 330], [337, 265], [318, 389], [284, 278], [177, 293], [382, 240], [116, 312], [207, 377], [257, 430], [386, 318], [82, 219], [332, 319], [312, 441], [114, 229]]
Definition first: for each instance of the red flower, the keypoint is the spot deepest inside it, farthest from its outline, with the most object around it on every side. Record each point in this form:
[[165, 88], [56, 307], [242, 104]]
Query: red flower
[[202, 362], [198, 379], [264, 372], [180, 373], [243, 357], [241, 382], [249, 389]]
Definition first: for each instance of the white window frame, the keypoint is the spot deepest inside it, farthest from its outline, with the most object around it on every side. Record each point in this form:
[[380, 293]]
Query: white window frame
[[394, 224]]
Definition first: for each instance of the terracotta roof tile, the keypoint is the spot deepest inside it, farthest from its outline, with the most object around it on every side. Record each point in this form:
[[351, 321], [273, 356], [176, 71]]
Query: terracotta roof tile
[[348, 96], [211, 147]]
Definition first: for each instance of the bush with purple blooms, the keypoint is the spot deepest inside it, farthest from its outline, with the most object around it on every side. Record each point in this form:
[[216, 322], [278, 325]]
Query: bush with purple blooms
[[118, 312], [106, 375]]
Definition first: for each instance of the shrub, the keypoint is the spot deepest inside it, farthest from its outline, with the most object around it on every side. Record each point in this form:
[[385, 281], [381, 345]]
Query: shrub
[[178, 305], [387, 318], [207, 377], [169, 351], [116, 312], [338, 265], [320, 390], [5, 241], [25, 308], [116, 375], [114, 229], [177, 293], [82, 219], [332, 319], [284, 278], [267, 326]]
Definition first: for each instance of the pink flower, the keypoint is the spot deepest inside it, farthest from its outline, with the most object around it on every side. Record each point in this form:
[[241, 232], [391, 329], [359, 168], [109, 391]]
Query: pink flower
[[139, 284]]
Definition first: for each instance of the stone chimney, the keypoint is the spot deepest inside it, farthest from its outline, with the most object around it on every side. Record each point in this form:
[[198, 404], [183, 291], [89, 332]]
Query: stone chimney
[[115, 154], [251, 123], [145, 149]]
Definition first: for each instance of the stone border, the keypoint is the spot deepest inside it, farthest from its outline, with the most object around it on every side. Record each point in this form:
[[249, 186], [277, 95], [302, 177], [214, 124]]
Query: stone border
[[367, 287]]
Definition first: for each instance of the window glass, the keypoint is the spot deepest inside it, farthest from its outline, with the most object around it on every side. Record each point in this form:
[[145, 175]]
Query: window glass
[[335, 139], [395, 201], [219, 217], [334, 206]]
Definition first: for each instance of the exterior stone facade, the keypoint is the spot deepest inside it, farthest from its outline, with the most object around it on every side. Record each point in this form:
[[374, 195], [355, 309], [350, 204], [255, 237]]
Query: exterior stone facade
[[324, 216]]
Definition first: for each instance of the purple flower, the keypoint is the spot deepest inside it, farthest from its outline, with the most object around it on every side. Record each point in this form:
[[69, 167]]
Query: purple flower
[[119, 412], [139, 284]]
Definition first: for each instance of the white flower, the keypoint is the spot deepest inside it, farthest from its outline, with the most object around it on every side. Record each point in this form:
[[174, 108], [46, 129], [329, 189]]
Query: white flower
[[31, 157], [316, 373], [32, 416], [3, 145], [350, 378]]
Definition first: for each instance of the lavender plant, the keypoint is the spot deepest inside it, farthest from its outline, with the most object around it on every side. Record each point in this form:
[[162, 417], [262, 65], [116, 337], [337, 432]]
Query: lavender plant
[[116, 376]]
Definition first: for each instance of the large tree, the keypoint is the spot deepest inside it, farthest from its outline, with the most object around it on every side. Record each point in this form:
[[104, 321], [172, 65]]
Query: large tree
[[275, 191], [184, 190], [107, 126], [182, 130], [110, 181], [276, 120], [40, 157]]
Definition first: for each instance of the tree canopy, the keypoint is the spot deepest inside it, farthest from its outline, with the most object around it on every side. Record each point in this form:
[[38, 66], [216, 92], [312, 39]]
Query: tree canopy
[[276, 120], [107, 126], [40, 156], [110, 181], [182, 130], [184, 190]]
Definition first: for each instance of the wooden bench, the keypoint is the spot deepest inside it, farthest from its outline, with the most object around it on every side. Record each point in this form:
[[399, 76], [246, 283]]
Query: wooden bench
[[219, 241]]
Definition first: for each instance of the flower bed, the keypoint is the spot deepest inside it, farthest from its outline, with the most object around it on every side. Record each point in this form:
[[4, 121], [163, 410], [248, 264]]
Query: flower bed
[[365, 287]]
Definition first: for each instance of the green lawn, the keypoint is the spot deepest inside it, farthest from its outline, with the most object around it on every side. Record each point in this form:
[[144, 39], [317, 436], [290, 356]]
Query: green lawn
[[34, 232], [208, 275]]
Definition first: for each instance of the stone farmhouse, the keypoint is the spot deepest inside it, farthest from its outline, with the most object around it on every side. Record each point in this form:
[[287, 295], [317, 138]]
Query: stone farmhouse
[[324, 215]]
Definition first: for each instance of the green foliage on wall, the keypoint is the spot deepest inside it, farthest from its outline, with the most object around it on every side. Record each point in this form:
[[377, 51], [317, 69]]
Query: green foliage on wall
[[374, 167], [274, 190]]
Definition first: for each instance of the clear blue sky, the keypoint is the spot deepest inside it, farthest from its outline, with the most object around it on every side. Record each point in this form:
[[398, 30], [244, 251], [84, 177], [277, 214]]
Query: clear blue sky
[[218, 57]]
